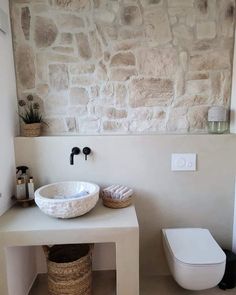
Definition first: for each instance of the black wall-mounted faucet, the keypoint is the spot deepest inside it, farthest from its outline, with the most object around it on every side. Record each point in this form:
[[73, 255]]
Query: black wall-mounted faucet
[[75, 151]]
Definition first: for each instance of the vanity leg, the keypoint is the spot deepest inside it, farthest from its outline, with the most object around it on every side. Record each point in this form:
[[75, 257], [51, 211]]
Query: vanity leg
[[3, 273], [127, 264]]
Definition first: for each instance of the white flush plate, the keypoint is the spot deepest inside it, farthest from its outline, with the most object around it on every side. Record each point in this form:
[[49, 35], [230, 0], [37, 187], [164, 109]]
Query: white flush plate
[[3, 21], [183, 162]]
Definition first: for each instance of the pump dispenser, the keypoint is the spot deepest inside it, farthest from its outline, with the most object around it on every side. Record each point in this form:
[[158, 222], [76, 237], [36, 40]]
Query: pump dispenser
[[24, 176], [31, 188], [20, 189]]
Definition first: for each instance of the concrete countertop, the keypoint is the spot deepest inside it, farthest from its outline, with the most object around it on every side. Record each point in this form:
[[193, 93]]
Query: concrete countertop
[[18, 225]]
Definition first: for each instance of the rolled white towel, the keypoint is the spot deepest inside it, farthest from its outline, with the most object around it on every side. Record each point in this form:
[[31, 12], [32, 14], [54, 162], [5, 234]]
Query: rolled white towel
[[122, 192], [127, 194], [115, 188], [114, 194], [117, 192], [107, 191]]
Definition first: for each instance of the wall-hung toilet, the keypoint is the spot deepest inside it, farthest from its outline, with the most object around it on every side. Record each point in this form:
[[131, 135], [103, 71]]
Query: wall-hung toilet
[[195, 259]]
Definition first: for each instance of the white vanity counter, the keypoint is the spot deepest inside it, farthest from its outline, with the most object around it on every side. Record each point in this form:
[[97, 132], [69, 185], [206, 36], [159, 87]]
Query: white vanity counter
[[29, 227]]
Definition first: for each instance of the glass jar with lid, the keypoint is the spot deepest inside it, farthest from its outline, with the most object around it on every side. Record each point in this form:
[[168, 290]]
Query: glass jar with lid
[[217, 120]]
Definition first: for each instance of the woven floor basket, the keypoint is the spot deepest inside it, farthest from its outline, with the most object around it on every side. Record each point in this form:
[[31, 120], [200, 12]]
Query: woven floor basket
[[116, 204], [73, 277], [31, 130]]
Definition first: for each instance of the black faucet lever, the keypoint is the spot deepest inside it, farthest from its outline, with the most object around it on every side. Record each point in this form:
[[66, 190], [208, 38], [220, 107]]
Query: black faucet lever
[[75, 151], [86, 152]]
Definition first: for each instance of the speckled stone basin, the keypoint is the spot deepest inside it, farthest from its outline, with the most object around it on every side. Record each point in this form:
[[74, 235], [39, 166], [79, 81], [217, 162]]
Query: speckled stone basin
[[67, 199]]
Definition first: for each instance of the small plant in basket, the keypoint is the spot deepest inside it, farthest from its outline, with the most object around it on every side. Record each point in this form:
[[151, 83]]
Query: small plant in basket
[[31, 116]]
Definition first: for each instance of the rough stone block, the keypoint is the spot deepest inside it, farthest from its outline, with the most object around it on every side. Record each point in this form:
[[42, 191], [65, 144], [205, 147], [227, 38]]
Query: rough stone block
[[25, 21], [122, 74], [120, 95], [94, 91], [82, 80], [157, 27], [192, 100], [157, 62], [107, 90], [42, 89], [177, 121], [71, 124], [101, 72], [45, 32], [126, 45], [58, 76], [68, 22], [78, 96], [83, 46], [104, 16], [206, 30], [63, 50], [56, 126], [151, 92], [197, 117], [131, 16], [89, 125], [56, 104], [134, 33], [25, 66], [66, 38], [115, 126], [123, 59], [210, 60], [95, 45], [81, 69], [226, 18], [198, 87], [182, 32], [113, 113]]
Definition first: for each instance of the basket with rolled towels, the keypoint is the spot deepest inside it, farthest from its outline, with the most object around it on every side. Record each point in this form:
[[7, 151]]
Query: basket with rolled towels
[[117, 196]]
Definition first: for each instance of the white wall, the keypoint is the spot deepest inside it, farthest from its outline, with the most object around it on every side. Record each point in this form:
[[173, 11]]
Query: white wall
[[234, 224], [21, 269], [204, 198], [8, 130], [8, 117], [233, 94]]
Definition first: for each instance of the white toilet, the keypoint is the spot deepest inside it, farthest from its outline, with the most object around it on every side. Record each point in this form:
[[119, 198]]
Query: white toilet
[[195, 259]]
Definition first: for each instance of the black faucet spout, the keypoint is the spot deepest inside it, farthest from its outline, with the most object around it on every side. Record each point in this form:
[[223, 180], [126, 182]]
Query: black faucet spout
[[75, 151], [72, 159]]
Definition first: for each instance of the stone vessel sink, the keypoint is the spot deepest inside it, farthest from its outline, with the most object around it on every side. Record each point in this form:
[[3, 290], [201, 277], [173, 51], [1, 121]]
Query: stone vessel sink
[[67, 199]]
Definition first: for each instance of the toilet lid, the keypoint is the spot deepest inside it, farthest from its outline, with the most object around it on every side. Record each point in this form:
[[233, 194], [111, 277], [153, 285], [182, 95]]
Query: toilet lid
[[194, 246]]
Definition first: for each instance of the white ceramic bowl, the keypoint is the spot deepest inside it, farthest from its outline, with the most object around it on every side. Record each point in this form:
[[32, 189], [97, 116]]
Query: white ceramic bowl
[[63, 200]]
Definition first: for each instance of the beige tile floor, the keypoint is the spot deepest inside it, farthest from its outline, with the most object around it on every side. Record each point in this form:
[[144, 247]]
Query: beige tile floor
[[104, 284], [165, 285]]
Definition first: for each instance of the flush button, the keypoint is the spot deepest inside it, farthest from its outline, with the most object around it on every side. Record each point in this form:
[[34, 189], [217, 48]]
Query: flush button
[[183, 162], [180, 162]]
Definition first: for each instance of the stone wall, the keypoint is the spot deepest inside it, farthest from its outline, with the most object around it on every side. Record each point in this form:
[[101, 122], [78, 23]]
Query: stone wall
[[124, 66]]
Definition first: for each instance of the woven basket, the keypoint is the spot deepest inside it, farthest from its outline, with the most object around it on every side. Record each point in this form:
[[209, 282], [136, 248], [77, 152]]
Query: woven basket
[[115, 203], [67, 276], [31, 130]]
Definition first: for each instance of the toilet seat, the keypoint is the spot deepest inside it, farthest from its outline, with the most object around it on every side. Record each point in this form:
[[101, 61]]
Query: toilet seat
[[195, 259], [194, 246]]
